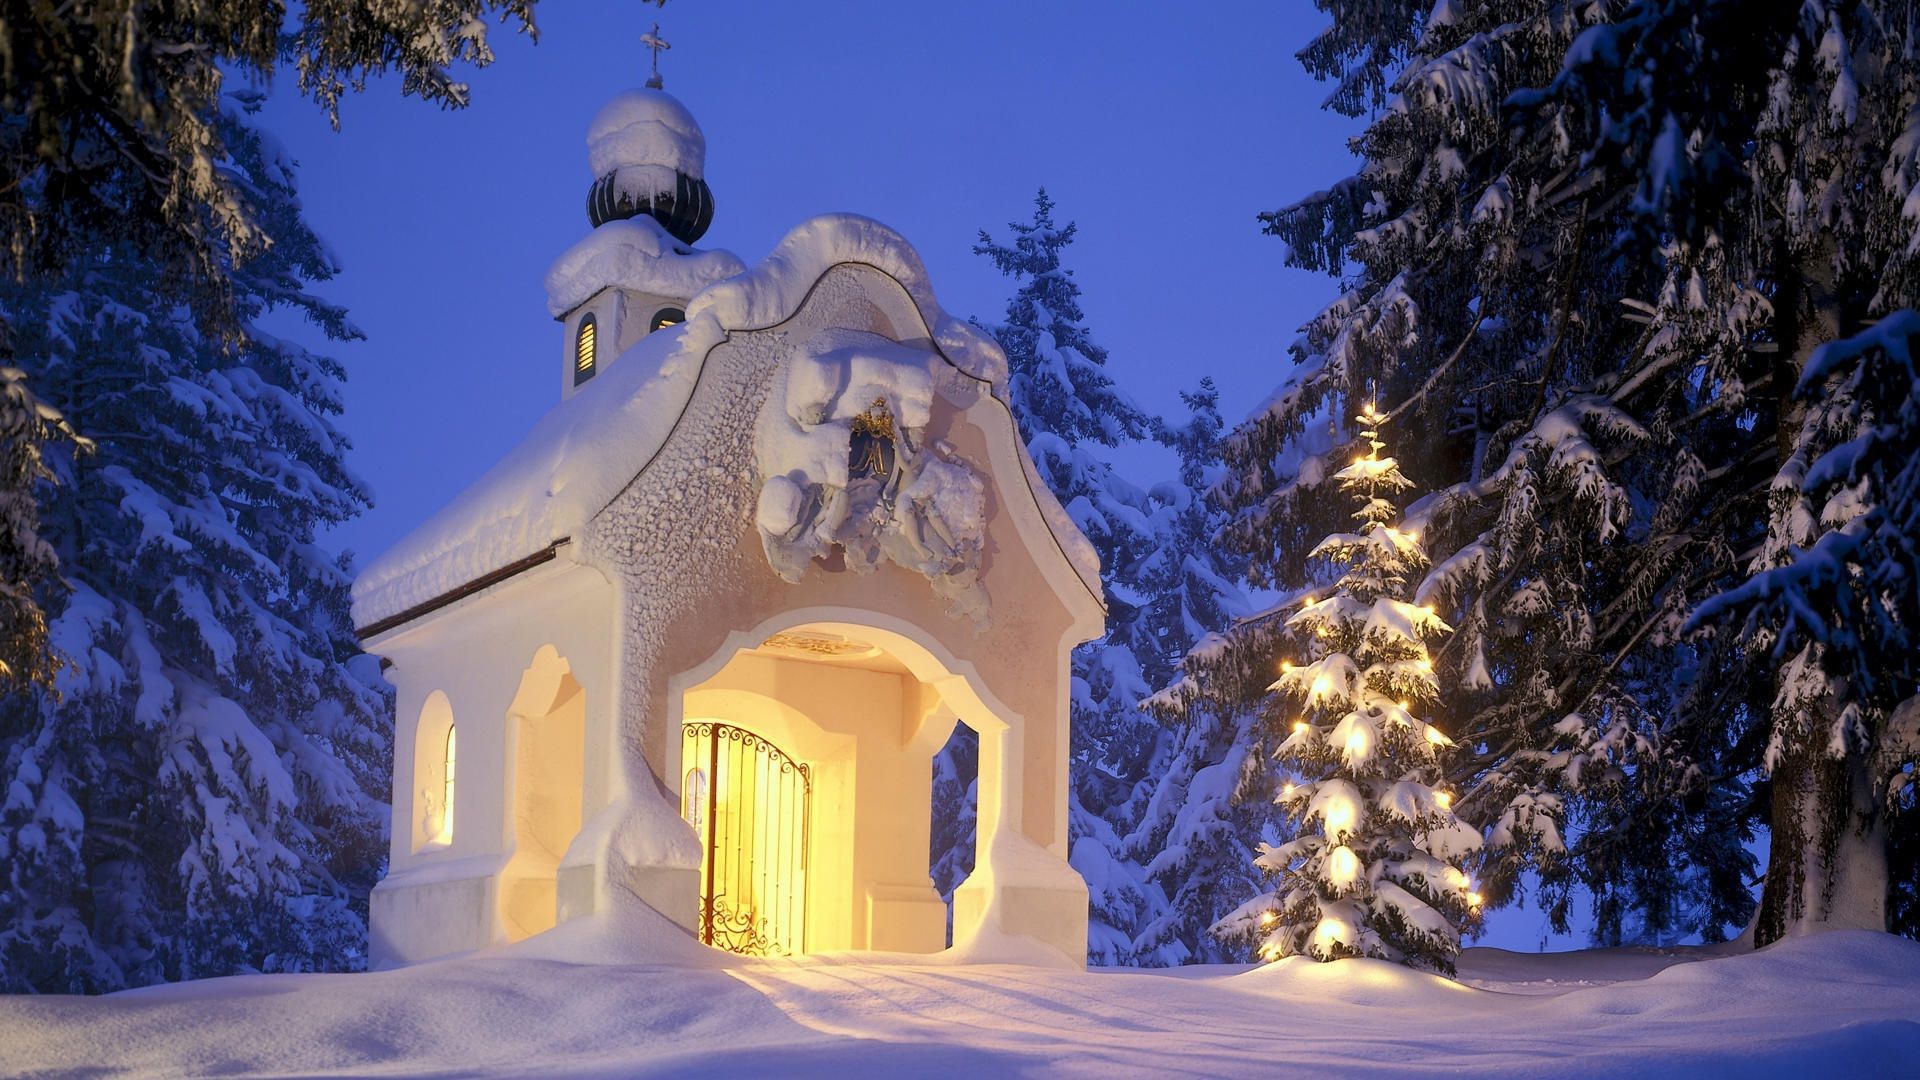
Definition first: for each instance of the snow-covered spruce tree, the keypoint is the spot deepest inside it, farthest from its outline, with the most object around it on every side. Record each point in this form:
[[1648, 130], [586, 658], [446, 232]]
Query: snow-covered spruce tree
[[1068, 409], [1838, 594], [1212, 797], [1595, 246], [112, 138], [1375, 866], [201, 793]]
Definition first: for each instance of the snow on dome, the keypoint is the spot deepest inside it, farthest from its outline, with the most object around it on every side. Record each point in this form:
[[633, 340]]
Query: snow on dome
[[646, 128], [634, 253]]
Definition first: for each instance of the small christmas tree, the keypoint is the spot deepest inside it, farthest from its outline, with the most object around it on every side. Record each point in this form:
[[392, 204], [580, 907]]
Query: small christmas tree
[[1375, 868]]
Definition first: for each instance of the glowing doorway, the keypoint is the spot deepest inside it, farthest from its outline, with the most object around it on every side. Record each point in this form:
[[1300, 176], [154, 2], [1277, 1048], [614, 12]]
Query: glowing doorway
[[749, 801]]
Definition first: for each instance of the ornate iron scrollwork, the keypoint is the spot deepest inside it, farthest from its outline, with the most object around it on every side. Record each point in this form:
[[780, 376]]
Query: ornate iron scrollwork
[[754, 832]]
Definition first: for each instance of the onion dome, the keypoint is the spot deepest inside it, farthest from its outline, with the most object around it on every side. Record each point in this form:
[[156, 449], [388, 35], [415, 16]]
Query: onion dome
[[649, 156]]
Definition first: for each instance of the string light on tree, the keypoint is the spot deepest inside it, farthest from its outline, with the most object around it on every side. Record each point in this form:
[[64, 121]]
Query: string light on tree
[[1375, 867]]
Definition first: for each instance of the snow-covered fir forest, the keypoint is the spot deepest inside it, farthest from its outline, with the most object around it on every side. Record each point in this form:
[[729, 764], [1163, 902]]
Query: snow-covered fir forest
[[1569, 563]]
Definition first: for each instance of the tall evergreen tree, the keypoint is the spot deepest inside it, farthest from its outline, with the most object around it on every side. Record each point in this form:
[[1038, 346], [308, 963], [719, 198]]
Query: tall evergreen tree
[[1212, 798], [114, 138], [202, 790], [1374, 869], [1069, 409], [1596, 247]]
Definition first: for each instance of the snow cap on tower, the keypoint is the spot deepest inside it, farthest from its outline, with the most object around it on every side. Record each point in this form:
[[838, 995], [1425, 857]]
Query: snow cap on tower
[[649, 157]]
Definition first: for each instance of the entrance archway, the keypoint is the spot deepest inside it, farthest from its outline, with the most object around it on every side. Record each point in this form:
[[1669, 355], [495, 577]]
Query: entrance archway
[[749, 801], [857, 711]]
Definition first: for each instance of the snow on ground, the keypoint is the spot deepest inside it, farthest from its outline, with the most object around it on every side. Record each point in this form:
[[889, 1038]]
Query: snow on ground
[[1842, 1004]]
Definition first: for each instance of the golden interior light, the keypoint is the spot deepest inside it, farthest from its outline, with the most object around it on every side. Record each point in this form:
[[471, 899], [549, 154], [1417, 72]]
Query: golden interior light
[[584, 350], [445, 835]]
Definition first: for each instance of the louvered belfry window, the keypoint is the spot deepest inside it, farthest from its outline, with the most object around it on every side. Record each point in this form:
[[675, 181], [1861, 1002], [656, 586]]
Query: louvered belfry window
[[583, 351]]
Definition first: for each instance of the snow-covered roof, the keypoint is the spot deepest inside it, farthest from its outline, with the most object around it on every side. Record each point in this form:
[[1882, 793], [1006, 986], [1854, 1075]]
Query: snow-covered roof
[[646, 127], [586, 449], [634, 253]]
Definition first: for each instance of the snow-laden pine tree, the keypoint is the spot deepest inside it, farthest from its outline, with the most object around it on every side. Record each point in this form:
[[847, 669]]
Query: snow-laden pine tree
[[1069, 409], [113, 138], [1593, 247], [1212, 796], [202, 790], [1837, 594], [1374, 868]]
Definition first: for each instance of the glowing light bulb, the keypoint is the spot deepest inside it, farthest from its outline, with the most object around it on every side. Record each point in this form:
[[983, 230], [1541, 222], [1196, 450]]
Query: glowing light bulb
[[1423, 664], [1269, 918], [1329, 933], [1343, 864], [1321, 685], [1286, 666], [1434, 736], [1444, 799], [1357, 743], [1473, 899], [1299, 727], [1428, 608], [1320, 631], [1403, 705], [1411, 535], [1286, 792], [1339, 815], [1457, 878]]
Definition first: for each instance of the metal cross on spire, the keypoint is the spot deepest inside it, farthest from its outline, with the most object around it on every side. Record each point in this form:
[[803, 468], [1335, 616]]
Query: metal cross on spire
[[652, 40]]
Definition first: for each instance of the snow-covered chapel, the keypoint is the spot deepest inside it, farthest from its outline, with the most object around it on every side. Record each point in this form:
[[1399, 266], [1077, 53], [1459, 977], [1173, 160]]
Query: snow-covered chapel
[[694, 643]]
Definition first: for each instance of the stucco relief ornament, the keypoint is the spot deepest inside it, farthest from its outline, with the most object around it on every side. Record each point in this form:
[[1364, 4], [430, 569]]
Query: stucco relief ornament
[[872, 445], [844, 465]]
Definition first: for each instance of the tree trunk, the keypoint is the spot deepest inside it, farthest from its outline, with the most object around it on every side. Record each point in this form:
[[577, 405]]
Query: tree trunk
[[1827, 864]]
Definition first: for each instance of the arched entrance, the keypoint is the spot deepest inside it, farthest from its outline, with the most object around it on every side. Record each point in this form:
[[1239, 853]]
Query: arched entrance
[[750, 803], [859, 710]]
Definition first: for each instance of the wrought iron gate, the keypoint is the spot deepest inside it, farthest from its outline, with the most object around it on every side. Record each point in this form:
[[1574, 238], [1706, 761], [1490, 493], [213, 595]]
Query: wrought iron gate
[[749, 802]]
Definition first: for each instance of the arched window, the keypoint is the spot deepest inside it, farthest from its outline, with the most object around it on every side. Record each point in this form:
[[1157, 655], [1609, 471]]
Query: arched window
[[445, 836], [665, 317], [584, 343]]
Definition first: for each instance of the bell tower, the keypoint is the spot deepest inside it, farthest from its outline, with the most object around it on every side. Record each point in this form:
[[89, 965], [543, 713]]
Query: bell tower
[[649, 202]]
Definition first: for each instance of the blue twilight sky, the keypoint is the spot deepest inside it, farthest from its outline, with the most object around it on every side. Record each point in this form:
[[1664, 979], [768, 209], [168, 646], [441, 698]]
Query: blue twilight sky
[[1161, 130], [1161, 133]]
